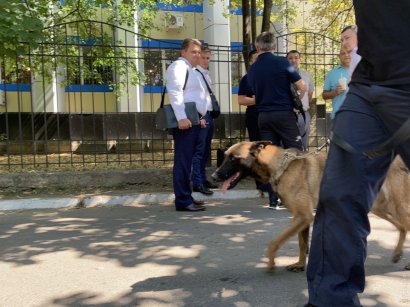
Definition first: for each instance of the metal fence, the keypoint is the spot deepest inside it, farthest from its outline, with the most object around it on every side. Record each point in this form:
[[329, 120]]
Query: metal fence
[[88, 94]]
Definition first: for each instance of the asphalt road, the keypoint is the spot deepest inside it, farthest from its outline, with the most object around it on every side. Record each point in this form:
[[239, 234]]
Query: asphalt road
[[151, 255]]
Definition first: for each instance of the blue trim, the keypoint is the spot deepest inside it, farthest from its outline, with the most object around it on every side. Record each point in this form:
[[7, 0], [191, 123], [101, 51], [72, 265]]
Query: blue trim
[[75, 39], [238, 11], [15, 87], [235, 89], [176, 44], [153, 89], [236, 46], [166, 43], [196, 8], [87, 88]]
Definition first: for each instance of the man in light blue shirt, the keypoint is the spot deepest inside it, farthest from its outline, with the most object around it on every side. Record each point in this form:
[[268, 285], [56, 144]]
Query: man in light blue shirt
[[336, 81]]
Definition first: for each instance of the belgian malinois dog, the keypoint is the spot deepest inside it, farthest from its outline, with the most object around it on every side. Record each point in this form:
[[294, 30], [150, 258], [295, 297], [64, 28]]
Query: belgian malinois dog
[[296, 177]]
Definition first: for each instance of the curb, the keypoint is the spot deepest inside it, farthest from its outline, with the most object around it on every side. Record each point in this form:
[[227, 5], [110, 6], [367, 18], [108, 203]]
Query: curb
[[115, 200]]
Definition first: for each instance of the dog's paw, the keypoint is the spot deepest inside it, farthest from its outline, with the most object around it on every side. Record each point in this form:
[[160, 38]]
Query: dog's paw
[[295, 268], [271, 265], [396, 257]]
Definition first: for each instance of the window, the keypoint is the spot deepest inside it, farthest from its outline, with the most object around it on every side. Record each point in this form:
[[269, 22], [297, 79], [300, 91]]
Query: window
[[91, 67], [156, 63], [236, 67], [15, 71]]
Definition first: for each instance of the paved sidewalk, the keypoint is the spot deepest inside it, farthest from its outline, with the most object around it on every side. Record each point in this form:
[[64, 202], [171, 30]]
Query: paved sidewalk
[[147, 255], [113, 199]]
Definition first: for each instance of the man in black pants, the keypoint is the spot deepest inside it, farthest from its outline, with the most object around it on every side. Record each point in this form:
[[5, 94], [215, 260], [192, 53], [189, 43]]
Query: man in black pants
[[269, 78], [246, 98], [376, 106]]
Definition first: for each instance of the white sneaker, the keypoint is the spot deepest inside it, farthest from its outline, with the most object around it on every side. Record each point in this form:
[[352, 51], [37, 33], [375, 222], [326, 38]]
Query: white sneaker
[[277, 206]]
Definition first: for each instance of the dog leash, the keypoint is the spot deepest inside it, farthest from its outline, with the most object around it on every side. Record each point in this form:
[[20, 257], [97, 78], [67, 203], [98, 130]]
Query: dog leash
[[319, 149], [398, 138], [290, 156]]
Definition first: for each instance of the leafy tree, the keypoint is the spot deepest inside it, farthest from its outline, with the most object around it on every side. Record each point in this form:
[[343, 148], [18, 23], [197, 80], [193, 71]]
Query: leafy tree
[[59, 36], [18, 24], [331, 16]]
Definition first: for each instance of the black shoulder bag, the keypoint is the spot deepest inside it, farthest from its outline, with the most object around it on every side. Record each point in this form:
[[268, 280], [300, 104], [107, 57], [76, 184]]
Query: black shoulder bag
[[216, 110], [297, 102], [165, 117]]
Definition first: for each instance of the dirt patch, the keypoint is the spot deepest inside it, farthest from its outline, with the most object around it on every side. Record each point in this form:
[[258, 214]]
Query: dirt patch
[[72, 184]]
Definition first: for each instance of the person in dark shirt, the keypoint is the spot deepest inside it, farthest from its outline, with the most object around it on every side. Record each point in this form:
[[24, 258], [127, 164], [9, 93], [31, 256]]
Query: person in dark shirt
[[376, 107], [246, 98], [269, 78]]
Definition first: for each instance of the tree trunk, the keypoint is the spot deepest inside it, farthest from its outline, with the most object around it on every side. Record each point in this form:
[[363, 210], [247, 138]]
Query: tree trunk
[[253, 21], [246, 32], [267, 9]]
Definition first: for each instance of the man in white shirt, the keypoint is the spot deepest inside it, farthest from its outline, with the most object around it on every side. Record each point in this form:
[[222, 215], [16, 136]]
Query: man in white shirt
[[200, 182], [184, 85], [303, 123], [349, 42]]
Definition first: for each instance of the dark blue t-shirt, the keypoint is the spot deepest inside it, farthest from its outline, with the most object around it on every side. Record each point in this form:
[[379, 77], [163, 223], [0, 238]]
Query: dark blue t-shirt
[[269, 78], [383, 42], [245, 90]]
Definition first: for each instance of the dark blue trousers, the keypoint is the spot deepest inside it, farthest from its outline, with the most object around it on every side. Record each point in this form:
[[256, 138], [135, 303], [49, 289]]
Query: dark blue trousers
[[185, 142], [367, 118], [251, 122], [279, 127], [202, 152]]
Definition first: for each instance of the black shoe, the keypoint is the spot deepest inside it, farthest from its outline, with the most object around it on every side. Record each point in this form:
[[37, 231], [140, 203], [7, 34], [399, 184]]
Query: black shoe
[[192, 208], [198, 202], [202, 189], [210, 185]]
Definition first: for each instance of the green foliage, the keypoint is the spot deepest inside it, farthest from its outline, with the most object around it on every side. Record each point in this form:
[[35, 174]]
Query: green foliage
[[19, 28], [331, 16]]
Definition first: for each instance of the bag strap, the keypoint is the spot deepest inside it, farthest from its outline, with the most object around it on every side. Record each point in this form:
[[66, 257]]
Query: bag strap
[[295, 93], [400, 136], [165, 89], [207, 85]]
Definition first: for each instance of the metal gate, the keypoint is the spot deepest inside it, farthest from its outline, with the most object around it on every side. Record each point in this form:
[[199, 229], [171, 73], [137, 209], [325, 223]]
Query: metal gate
[[87, 96]]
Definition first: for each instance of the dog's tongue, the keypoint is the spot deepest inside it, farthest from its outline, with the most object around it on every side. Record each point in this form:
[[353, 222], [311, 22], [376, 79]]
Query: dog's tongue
[[226, 184]]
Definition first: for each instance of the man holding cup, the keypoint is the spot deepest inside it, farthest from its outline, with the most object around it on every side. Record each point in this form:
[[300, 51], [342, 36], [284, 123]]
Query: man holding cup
[[336, 81]]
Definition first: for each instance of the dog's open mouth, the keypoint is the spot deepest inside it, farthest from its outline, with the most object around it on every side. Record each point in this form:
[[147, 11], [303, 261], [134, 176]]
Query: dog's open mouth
[[230, 182]]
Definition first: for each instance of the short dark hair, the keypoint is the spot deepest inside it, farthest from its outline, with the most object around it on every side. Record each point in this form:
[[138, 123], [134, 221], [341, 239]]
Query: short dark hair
[[293, 51], [351, 27], [251, 53], [205, 48]]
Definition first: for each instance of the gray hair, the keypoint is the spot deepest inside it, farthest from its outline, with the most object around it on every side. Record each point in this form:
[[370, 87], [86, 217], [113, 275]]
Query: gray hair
[[266, 41], [188, 41]]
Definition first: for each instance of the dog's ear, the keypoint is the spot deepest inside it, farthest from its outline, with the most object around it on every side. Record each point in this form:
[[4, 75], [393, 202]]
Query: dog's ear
[[257, 146]]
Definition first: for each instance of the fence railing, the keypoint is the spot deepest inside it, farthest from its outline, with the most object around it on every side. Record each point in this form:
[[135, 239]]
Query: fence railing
[[87, 97]]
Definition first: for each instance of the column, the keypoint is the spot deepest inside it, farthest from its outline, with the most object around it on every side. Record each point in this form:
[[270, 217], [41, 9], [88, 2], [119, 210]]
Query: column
[[217, 32]]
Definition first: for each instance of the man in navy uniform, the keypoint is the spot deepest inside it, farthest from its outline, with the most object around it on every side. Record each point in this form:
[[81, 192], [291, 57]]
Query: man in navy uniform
[[374, 115], [269, 78]]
